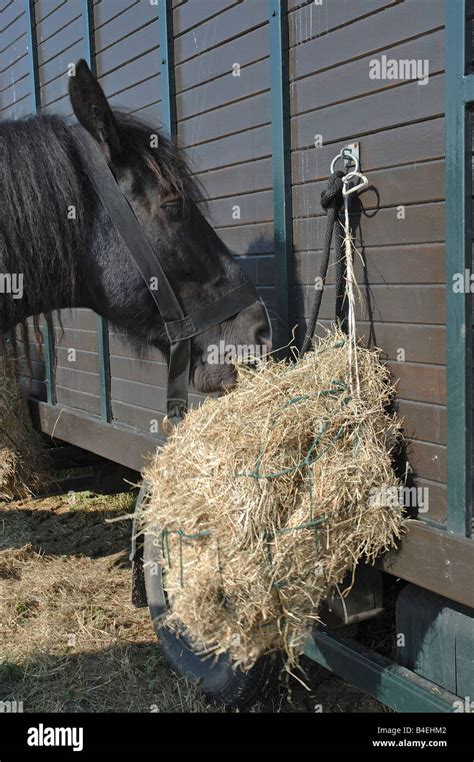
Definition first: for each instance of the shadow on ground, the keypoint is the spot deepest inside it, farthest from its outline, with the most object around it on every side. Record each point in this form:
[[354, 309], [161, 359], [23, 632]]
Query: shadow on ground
[[71, 640]]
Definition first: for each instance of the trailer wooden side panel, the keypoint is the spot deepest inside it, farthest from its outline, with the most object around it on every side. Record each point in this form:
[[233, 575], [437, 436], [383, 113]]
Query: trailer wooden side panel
[[400, 228]]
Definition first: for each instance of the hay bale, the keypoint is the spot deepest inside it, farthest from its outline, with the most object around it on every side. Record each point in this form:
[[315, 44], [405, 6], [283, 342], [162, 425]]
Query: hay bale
[[24, 466], [262, 500]]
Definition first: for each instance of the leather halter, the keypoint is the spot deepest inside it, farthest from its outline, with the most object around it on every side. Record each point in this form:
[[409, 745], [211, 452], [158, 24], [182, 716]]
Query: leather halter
[[180, 328]]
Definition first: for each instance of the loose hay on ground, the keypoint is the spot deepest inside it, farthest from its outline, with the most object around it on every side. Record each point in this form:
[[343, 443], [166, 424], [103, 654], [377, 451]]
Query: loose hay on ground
[[23, 461], [262, 500]]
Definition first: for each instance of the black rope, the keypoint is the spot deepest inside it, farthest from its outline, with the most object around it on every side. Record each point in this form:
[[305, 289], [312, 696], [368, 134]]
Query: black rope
[[332, 201]]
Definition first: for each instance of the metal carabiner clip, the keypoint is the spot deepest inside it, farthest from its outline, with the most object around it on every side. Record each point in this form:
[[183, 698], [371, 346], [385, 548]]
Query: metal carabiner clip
[[355, 188]]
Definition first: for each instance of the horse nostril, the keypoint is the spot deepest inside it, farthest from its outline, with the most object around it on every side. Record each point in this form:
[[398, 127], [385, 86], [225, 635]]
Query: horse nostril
[[265, 329], [264, 337]]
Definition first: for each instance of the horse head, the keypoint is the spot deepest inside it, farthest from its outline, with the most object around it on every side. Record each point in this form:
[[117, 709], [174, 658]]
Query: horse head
[[155, 179]]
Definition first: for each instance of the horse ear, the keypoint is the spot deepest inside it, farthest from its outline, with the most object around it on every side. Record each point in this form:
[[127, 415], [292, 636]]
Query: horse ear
[[92, 109]]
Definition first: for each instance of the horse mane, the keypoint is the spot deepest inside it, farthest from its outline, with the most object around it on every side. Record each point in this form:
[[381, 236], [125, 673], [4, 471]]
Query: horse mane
[[39, 186]]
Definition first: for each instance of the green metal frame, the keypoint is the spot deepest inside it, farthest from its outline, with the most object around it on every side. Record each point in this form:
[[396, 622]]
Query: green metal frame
[[103, 348], [459, 86], [395, 686], [48, 332], [281, 168], [168, 89]]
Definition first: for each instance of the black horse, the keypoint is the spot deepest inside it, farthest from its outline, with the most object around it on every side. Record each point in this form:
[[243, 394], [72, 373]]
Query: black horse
[[59, 249]]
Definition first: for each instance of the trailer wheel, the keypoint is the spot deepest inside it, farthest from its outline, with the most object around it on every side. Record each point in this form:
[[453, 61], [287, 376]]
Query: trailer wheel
[[216, 678]]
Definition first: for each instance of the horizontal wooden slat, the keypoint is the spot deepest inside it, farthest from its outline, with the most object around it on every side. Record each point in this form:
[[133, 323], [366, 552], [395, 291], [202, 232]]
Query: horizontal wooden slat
[[46, 7], [390, 264], [248, 239], [35, 389], [259, 268], [422, 224], [139, 70], [397, 186], [352, 78], [72, 398], [217, 30], [208, 97], [243, 50], [250, 208], [31, 373], [9, 17], [15, 51], [147, 421], [20, 89], [423, 421], [57, 46], [121, 347], [57, 66], [18, 109], [252, 112], [152, 113], [77, 379], [403, 342], [55, 90], [394, 304], [235, 180], [138, 96], [373, 34], [144, 395], [427, 460], [78, 318], [54, 23], [144, 371], [192, 14], [76, 338], [435, 560], [140, 42], [424, 383], [142, 418], [317, 19], [106, 10], [11, 72], [412, 143], [85, 361], [232, 149], [122, 24], [434, 496], [408, 102]]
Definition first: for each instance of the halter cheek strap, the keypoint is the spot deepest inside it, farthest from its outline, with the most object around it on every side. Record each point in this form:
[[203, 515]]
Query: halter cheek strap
[[180, 328]]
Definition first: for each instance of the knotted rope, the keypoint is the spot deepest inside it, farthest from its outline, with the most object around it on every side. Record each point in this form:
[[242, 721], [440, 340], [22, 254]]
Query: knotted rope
[[332, 201]]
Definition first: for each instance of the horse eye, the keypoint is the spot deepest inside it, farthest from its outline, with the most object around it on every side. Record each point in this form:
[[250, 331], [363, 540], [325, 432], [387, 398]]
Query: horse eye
[[173, 208]]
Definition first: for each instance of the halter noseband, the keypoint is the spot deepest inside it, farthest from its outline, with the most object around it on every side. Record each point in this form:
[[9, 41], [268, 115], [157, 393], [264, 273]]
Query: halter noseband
[[180, 328]]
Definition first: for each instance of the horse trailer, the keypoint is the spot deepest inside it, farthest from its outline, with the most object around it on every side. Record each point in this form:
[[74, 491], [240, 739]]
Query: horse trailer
[[262, 95]]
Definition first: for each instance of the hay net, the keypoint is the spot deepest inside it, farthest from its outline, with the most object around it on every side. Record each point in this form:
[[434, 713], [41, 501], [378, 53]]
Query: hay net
[[262, 500], [24, 465]]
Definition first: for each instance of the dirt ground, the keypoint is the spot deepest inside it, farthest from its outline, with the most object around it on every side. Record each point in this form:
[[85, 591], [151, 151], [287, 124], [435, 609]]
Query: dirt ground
[[70, 639]]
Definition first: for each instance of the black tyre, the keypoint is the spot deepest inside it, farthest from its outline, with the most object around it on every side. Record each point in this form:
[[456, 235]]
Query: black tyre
[[216, 678]]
